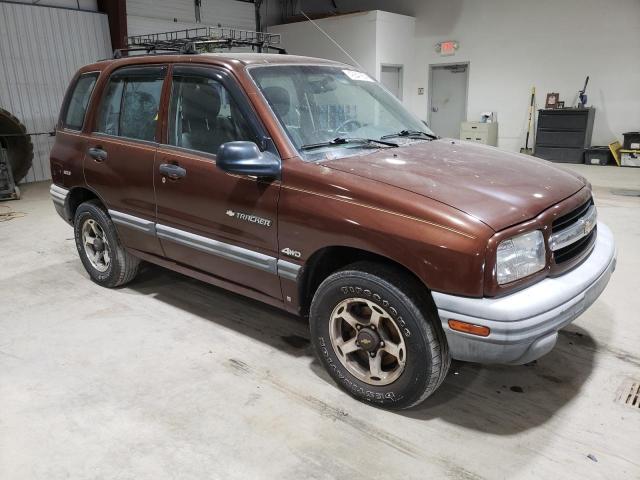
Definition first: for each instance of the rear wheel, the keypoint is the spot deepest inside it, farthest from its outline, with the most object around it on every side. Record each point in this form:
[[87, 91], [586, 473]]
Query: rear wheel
[[377, 333], [103, 256]]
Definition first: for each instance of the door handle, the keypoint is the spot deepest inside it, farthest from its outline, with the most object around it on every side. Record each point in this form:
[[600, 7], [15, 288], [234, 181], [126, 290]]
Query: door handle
[[174, 172], [97, 153]]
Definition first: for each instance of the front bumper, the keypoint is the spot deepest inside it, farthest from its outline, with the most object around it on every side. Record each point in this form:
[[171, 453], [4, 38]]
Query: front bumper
[[524, 325]]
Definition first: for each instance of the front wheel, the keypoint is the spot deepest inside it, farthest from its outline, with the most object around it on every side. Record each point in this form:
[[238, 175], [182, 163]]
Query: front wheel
[[378, 335]]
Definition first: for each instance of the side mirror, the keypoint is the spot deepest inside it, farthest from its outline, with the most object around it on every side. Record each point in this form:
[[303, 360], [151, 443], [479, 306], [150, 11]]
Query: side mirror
[[245, 158]]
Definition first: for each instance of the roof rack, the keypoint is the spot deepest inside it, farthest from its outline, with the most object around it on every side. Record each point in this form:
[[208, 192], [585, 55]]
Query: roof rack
[[201, 40]]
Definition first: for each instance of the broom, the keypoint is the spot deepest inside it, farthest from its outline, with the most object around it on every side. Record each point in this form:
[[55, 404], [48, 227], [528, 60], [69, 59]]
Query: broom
[[526, 150]]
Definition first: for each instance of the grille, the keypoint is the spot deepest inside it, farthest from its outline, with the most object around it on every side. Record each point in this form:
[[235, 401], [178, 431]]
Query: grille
[[570, 218], [571, 251], [574, 250]]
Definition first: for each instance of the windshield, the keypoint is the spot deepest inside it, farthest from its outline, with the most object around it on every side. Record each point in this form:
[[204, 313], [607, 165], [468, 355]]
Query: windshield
[[334, 110]]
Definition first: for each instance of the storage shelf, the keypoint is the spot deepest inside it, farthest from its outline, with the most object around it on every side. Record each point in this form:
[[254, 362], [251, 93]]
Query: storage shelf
[[563, 135]]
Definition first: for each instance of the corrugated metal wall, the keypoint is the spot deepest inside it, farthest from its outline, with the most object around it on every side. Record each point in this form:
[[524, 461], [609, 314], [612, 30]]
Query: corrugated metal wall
[[40, 50], [152, 16], [146, 25], [73, 4]]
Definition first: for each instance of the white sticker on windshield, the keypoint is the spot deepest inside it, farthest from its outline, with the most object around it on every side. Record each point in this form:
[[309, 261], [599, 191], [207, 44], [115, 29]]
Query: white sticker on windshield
[[354, 75]]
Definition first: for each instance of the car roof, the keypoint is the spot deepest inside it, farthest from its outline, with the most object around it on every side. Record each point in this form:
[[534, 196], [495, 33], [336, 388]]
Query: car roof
[[249, 58], [229, 59]]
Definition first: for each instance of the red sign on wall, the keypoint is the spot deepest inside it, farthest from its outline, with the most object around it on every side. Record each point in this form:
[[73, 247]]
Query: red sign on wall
[[447, 48]]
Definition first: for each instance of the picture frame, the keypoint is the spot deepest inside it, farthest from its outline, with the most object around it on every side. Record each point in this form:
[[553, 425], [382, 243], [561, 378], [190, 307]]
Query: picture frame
[[552, 100], [560, 105]]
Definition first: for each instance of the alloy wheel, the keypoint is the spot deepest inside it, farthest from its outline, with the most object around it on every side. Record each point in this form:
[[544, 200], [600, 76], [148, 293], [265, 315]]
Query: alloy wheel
[[96, 245], [367, 341]]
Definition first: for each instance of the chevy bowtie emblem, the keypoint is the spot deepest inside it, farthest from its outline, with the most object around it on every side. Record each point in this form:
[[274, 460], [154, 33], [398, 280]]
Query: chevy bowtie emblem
[[588, 226], [365, 341], [231, 213]]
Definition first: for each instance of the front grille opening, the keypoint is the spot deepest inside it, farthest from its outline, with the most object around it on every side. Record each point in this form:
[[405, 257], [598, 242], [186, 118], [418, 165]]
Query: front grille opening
[[570, 218], [571, 251], [576, 249]]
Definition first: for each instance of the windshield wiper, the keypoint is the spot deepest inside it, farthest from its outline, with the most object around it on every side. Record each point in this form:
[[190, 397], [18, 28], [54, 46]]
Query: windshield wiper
[[410, 134], [344, 140]]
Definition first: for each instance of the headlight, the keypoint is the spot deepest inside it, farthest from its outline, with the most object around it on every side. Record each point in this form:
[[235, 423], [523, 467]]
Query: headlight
[[520, 256]]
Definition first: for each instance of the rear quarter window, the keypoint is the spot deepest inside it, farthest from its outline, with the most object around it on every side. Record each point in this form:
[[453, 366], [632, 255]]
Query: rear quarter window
[[76, 107]]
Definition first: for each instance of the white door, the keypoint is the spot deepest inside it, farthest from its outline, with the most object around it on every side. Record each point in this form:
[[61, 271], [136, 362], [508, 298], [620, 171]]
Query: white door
[[448, 98], [391, 78]]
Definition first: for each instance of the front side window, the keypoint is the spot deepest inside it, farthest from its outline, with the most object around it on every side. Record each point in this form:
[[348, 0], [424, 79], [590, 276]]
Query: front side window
[[130, 104], [318, 104], [203, 115], [77, 106]]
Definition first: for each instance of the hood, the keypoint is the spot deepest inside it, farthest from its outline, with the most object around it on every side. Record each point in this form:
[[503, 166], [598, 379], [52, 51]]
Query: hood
[[496, 187]]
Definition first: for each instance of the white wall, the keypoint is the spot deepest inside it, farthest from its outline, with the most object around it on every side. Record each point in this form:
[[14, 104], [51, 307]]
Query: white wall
[[355, 32], [41, 48], [512, 45], [371, 38], [393, 34], [552, 44]]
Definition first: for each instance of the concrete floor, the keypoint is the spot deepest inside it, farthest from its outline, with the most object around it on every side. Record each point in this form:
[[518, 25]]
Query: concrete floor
[[172, 378]]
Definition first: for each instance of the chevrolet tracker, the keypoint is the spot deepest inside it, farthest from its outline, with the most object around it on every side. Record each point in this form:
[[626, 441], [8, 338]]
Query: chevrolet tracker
[[305, 184]]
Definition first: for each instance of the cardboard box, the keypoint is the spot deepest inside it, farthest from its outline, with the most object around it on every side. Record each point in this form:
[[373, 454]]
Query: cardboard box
[[630, 158]]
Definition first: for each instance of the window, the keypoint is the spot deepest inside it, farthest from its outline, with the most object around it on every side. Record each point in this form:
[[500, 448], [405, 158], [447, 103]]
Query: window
[[130, 104], [77, 106], [288, 108], [317, 104], [203, 115], [109, 115]]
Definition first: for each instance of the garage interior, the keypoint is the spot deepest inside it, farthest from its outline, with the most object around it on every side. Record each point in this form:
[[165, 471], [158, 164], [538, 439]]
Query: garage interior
[[170, 377]]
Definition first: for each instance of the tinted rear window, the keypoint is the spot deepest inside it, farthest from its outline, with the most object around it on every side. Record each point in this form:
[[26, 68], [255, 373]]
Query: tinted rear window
[[77, 106], [130, 104]]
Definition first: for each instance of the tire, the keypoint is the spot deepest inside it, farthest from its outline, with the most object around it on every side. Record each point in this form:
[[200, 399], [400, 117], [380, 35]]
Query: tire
[[409, 314], [122, 267], [18, 144]]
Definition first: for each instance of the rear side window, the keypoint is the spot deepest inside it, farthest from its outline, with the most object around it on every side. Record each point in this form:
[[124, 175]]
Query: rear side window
[[78, 101], [129, 107]]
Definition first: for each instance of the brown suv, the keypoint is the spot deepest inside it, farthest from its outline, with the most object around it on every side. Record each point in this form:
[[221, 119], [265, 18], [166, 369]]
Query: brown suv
[[304, 184]]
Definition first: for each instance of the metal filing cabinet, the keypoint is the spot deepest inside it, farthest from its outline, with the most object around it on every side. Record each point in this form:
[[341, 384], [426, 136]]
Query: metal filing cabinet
[[563, 135], [486, 133]]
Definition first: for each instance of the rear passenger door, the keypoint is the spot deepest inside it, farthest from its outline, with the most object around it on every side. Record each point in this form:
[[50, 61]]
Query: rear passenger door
[[68, 150], [119, 161], [213, 221]]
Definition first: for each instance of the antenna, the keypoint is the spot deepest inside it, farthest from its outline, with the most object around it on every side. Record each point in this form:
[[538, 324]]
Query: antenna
[[332, 40]]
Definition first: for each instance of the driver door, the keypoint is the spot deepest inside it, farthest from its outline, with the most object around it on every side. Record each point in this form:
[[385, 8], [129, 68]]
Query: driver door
[[210, 220]]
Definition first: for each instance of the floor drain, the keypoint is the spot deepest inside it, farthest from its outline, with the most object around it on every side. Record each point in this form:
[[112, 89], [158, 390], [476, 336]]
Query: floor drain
[[629, 394], [627, 192]]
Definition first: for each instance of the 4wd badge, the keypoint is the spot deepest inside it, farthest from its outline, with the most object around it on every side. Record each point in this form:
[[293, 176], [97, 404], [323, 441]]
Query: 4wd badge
[[291, 253], [247, 217]]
